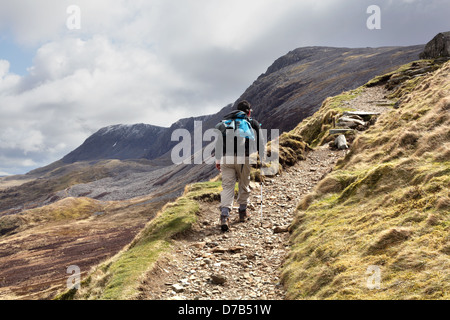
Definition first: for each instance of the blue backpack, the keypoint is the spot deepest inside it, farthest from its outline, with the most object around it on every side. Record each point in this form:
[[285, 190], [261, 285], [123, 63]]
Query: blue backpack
[[240, 125]]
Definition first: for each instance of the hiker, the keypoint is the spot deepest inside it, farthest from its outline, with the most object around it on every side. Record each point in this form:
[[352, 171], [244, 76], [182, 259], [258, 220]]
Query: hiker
[[235, 163]]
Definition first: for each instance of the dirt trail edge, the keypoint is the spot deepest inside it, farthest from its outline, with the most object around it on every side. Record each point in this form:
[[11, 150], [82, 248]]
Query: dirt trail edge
[[245, 262]]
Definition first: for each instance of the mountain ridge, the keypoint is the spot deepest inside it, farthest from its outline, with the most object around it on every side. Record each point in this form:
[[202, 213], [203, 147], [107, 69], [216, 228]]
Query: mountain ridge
[[325, 71], [118, 142], [84, 180], [290, 90]]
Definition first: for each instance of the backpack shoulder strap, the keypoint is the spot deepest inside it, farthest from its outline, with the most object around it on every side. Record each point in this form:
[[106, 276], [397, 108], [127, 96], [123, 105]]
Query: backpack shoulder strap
[[241, 115]]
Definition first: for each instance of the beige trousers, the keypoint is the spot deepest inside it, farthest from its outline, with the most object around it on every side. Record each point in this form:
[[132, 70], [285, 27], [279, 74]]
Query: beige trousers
[[232, 171]]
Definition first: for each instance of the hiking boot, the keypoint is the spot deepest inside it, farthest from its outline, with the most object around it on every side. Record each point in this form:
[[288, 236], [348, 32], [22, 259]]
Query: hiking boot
[[224, 223], [242, 215]]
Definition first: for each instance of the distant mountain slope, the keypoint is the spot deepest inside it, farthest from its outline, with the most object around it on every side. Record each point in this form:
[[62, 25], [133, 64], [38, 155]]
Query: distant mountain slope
[[120, 142], [295, 85], [292, 89]]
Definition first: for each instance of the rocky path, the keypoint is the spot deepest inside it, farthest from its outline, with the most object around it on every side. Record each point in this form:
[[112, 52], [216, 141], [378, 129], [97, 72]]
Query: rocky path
[[245, 262], [372, 100]]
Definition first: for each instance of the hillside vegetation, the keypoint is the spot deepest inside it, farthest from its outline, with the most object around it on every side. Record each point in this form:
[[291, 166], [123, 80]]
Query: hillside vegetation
[[385, 206], [119, 277]]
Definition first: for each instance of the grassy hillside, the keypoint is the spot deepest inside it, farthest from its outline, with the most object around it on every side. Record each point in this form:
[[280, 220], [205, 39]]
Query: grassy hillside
[[386, 204], [118, 278], [64, 210]]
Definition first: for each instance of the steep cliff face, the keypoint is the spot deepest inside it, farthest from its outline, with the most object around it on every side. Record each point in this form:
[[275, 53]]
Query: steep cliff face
[[296, 84], [291, 89]]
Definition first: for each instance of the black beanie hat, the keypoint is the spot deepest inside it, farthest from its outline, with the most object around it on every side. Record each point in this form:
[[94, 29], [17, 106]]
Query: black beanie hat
[[244, 106]]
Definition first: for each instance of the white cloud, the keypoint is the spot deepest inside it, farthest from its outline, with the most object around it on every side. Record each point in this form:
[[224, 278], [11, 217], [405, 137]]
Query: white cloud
[[22, 139], [77, 86], [8, 81], [13, 164], [91, 83], [161, 60]]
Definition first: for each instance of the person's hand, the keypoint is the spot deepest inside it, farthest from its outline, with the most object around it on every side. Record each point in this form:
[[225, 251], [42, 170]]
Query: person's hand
[[218, 165]]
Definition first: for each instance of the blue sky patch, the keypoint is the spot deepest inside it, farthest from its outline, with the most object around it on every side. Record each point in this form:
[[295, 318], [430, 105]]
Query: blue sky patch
[[19, 58]]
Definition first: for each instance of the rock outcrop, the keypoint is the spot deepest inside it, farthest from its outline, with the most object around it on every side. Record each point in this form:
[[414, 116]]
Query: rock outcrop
[[438, 47]]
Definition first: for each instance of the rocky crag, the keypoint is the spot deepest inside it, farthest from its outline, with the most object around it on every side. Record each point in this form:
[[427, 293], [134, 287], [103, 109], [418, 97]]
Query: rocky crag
[[438, 47]]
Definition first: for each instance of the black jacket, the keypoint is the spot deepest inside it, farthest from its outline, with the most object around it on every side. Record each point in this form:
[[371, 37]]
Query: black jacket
[[250, 145]]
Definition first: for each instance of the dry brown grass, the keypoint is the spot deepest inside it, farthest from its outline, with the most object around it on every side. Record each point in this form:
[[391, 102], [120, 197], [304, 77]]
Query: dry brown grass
[[386, 204], [120, 276]]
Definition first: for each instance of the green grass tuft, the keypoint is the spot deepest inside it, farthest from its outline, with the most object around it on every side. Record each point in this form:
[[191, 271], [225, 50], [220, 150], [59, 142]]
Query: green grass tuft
[[119, 277], [385, 204]]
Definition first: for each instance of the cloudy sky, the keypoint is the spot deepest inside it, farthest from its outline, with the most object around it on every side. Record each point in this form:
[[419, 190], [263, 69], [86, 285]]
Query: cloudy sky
[[67, 71]]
